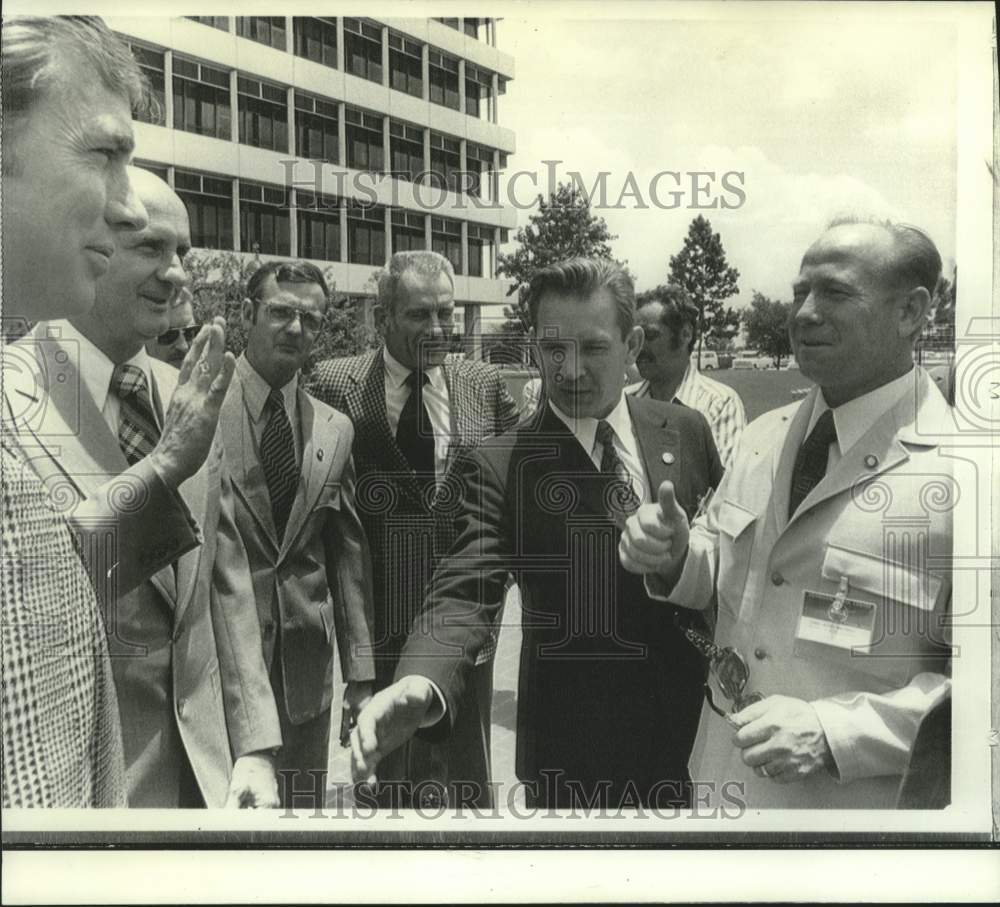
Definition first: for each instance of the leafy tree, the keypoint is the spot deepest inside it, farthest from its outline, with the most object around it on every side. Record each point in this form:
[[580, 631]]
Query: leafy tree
[[766, 322], [701, 269], [563, 227], [218, 284]]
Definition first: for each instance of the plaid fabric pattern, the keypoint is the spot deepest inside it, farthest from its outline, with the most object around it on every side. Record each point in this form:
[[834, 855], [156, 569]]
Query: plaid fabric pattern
[[718, 403], [137, 428], [61, 734], [277, 459]]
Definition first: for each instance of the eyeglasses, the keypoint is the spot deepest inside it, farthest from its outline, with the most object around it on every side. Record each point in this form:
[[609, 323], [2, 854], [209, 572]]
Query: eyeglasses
[[167, 338], [728, 674], [282, 315]]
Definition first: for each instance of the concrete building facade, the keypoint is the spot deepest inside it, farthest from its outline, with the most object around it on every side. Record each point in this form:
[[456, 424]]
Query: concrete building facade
[[337, 140]]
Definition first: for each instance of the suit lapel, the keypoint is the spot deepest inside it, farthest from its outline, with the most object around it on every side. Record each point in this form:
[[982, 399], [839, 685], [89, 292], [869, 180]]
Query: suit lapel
[[318, 446], [783, 459], [572, 459], [659, 445]]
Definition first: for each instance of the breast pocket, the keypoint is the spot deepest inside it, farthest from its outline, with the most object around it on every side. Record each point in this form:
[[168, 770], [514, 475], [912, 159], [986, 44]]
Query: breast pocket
[[908, 635], [737, 527]]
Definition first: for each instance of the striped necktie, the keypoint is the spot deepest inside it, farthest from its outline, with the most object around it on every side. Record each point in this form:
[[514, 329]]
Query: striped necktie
[[277, 458], [623, 500], [810, 462], [137, 428]]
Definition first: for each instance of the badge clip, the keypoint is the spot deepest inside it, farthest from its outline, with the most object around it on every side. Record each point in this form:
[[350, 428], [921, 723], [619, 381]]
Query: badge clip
[[838, 607]]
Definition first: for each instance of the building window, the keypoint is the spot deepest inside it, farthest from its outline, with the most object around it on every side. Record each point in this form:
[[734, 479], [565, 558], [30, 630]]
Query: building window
[[219, 22], [151, 63], [201, 99], [365, 234], [444, 79], [471, 27], [318, 226], [365, 149], [406, 145], [316, 40], [269, 30], [264, 225], [156, 169], [477, 88], [481, 251], [315, 128], [406, 68], [408, 232], [446, 240], [479, 171], [263, 114], [209, 203], [363, 49], [446, 162], [451, 23]]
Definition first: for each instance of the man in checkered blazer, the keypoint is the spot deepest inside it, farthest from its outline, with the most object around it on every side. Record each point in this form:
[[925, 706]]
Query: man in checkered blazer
[[414, 411]]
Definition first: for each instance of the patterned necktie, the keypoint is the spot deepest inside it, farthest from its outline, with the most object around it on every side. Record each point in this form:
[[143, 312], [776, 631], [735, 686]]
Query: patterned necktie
[[414, 433], [810, 463], [137, 428], [277, 457], [623, 499]]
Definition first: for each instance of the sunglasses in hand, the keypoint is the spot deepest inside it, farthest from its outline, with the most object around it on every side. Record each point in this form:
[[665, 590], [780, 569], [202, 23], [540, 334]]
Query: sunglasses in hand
[[167, 338]]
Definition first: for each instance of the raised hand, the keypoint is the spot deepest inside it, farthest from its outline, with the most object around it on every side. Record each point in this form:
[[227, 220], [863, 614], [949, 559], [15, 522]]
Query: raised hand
[[655, 537], [191, 419]]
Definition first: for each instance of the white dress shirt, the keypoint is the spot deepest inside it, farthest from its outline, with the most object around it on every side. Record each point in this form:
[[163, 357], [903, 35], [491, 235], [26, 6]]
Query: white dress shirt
[[256, 391], [96, 370], [584, 429], [435, 399]]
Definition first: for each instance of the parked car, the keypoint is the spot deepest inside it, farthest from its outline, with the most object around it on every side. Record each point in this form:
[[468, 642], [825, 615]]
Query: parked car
[[709, 360], [747, 362]]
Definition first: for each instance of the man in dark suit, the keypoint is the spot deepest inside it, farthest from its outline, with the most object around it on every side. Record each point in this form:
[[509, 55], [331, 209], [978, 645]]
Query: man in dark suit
[[293, 478], [414, 412], [610, 691]]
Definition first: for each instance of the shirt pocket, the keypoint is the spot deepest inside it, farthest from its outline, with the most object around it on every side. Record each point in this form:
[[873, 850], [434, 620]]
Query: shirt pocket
[[737, 528], [907, 635]]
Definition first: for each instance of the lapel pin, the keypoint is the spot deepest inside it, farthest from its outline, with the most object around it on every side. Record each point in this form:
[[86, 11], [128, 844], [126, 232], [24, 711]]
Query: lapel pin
[[871, 461], [668, 458], [319, 454]]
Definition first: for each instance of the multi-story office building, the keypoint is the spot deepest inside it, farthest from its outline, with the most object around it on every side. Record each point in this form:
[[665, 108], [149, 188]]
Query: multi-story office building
[[339, 140]]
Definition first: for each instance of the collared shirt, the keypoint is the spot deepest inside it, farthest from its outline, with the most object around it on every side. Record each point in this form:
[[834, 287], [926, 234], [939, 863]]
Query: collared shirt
[[718, 403], [435, 399], [96, 370], [854, 418], [256, 391], [584, 429]]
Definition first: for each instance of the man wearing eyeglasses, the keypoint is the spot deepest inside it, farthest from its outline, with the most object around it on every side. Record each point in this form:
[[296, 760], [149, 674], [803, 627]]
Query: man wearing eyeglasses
[[827, 545], [173, 344], [290, 457]]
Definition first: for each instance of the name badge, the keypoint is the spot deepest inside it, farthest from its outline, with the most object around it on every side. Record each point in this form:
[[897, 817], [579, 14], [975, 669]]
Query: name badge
[[829, 624]]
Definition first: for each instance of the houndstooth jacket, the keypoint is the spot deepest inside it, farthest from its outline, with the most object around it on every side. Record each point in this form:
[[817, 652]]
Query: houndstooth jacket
[[62, 739], [407, 525]]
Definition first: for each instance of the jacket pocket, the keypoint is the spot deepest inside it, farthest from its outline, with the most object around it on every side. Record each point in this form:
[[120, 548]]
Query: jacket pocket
[[737, 527]]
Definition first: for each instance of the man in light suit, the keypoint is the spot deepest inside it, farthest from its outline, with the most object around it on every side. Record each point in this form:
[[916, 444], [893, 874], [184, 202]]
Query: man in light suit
[[609, 691], [290, 458], [408, 436], [828, 543], [68, 87], [185, 646]]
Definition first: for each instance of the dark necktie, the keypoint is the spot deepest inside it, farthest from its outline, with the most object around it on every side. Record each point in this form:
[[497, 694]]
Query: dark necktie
[[810, 462], [277, 457], [414, 433], [623, 499], [137, 428]]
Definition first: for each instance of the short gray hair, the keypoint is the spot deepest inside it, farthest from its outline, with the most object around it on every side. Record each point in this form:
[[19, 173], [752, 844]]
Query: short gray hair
[[34, 48], [424, 264]]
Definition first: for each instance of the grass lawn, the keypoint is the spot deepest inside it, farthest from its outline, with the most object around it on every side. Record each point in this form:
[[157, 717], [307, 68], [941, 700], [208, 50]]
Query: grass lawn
[[762, 390]]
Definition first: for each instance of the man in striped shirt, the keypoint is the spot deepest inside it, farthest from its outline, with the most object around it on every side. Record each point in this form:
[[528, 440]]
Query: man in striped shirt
[[670, 322]]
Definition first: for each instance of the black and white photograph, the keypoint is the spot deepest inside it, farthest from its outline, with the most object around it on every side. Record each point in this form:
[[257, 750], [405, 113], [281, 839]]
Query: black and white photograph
[[550, 434]]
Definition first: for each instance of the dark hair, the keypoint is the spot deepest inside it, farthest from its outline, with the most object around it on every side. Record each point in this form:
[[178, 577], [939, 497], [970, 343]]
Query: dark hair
[[34, 51], [421, 262], [583, 277], [677, 310], [916, 263], [286, 272]]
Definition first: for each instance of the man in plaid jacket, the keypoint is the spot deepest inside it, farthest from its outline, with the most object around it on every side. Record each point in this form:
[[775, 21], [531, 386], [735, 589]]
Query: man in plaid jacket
[[414, 411]]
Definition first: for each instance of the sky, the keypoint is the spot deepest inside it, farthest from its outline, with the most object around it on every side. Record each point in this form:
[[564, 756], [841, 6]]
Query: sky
[[821, 115]]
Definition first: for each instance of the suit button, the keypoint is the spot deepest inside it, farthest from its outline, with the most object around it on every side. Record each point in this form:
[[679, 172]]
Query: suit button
[[759, 654], [291, 624], [777, 578]]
